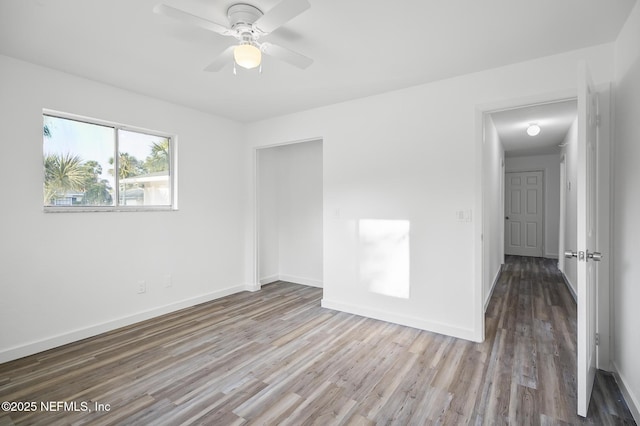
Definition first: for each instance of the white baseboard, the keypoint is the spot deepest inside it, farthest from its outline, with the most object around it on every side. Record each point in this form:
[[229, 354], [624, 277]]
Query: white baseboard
[[291, 279], [270, 279], [35, 347], [630, 398], [570, 287], [551, 255], [301, 280], [436, 327], [493, 286]]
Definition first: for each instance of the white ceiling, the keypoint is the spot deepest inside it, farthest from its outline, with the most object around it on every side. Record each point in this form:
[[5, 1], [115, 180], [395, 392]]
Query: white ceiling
[[554, 120], [360, 47]]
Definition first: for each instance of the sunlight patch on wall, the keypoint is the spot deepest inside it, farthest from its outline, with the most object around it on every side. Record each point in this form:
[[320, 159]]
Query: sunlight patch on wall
[[384, 256]]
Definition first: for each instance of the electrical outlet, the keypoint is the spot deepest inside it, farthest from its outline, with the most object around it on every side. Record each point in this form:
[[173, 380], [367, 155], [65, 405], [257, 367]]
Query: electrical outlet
[[142, 286], [463, 215]]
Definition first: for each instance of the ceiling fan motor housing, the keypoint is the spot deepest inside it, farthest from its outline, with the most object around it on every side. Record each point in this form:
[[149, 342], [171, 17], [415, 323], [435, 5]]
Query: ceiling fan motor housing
[[243, 16]]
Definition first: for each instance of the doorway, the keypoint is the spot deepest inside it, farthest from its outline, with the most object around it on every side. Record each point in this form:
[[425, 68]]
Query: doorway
[[289, 213], [508, 148], [567, 187], [532, 183], [524, 213]]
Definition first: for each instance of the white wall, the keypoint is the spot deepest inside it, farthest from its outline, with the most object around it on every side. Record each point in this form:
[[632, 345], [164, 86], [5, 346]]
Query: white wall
[[550, 164], [626, 245], [65, 276], [290, 194], [300, 213], [412, 155], [493, 208], [570, 151]]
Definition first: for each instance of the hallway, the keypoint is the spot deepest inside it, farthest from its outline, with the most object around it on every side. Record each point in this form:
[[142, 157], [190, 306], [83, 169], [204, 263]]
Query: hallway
[[531, 321]]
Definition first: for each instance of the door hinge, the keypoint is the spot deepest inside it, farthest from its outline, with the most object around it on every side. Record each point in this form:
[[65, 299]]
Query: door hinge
[[597, 339]]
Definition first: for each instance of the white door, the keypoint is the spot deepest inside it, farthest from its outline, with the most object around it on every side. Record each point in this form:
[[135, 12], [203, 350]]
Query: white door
[[586, 222], [523, 213]]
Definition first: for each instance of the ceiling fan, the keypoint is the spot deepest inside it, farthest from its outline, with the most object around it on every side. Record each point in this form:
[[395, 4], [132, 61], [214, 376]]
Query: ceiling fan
[[248, 25]]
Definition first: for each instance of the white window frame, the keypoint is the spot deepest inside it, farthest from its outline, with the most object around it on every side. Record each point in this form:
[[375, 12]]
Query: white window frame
[[173, 169]]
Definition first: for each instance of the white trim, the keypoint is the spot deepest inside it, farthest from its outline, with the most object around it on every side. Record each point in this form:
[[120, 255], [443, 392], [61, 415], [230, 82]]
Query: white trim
[[481, 110], [604, 233], [629, 398], [479, 226], [546, 98], [436, 327], [311, 282], [269, 279], [93, 330], [301, 280], [562, 221], [543, 225], [493, 287], [294, 142], [255, 252], [99, 209], [546, 253], [256, 207], [106, 123]]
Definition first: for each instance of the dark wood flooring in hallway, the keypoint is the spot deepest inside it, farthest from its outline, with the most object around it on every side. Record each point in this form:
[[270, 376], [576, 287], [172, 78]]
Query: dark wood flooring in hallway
[[277, 357]]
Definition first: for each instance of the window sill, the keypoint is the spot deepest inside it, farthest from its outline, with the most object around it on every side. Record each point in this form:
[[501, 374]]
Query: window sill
[[108, 209]]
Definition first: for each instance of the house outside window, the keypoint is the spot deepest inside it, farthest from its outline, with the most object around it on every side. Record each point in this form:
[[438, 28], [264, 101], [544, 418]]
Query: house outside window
[[94, 165]]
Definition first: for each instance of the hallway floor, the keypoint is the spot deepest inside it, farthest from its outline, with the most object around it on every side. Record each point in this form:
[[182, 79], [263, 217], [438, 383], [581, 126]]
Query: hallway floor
[[531, 320]]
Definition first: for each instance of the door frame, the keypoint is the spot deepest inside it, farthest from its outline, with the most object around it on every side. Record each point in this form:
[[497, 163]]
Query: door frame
[[604, 208], [482, 222], [255, 285], [562, 222], [543, 240]]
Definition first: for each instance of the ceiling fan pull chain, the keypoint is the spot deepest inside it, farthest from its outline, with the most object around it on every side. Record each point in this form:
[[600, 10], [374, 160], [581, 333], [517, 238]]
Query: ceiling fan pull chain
[[234, 68], [260, 69]]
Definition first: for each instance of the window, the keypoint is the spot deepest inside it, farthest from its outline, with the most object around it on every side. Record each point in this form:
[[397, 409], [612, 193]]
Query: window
[[103, 166]]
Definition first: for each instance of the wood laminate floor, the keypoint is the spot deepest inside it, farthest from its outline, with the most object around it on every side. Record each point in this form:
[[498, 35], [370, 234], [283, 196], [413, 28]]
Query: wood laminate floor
[[277, 357]]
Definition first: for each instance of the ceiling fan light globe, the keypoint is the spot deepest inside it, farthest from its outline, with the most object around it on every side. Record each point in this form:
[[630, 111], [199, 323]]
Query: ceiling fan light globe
[[533, 130], [247, 56]]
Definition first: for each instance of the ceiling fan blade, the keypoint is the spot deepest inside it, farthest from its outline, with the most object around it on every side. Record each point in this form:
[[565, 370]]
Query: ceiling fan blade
[[281, 13], [286, 55], [223, 59], [188, 18]]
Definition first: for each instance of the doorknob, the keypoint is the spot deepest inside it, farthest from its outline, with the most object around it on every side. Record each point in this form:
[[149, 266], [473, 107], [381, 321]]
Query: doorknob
[[596, 256]]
